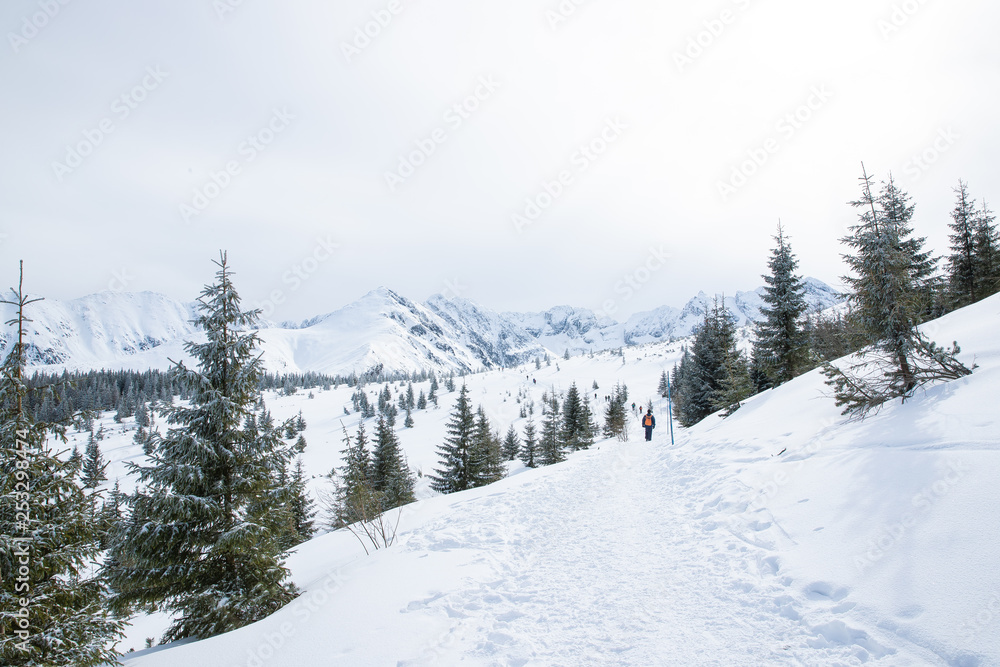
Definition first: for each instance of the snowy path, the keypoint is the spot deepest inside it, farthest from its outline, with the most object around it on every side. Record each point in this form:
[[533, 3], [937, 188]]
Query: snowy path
[[622, 557]]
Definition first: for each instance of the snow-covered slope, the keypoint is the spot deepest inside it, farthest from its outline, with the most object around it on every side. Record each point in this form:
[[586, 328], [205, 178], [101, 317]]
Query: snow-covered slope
[[782, 535], [382, 330], [104, 329]]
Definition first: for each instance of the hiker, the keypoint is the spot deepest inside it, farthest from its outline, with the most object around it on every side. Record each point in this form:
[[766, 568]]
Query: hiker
[[649, 423]]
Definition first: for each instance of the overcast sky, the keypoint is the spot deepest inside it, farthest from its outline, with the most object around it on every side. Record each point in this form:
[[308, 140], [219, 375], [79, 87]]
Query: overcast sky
[[659, 141]]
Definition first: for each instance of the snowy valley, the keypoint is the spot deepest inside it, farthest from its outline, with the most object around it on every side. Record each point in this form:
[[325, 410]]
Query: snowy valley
[[781, 535]]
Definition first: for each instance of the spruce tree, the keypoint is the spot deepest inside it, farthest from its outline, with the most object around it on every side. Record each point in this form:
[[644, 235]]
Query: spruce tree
[[204, 547], [781, 346], [142, 416], [487, 457], [352, 483], [987, 245], [682, 387], [432, 393], [455, 473], [574, 435], [302, 506], [736, 386], [550, 446], [616, 414], [390, 476], [529, 448], [588, 429], [48, 538], [511, 444], [662, 387], [892, 271], [962, 263], [713, 343], [94, 465], [111, 514]]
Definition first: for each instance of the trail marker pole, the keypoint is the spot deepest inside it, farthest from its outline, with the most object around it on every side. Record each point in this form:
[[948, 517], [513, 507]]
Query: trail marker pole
[[670, 411]]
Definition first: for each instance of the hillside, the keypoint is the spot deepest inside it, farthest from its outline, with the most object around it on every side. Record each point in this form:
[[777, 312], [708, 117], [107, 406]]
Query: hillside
[[781, 535]]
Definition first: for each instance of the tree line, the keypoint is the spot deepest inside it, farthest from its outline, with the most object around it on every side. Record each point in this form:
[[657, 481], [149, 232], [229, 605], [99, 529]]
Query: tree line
[[896, 285]]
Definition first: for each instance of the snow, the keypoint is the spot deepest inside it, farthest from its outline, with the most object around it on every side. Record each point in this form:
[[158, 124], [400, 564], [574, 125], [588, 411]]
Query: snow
[[784, 534], [122, 330]]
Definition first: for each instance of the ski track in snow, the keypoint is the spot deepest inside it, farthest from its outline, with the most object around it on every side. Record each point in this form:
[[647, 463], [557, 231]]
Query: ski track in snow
[[686, 570]]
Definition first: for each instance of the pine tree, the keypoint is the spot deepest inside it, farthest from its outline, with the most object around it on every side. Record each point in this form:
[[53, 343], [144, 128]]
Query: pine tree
[[616, 414], [529, 449], [550, 445], [891, 269], [891, 274], [46, 527], [587, 429], [511, 444], [94, 465], [456, 473], [408, 422], [353, 482], [576, 433], [390, 476], [987, 244], [682, 388], [486, 455], [432, 393], [142, 416], [662, 387], [781, 346], [205, 546], [736, 386], [962, 263], [713, 343], [303, 508], [422, 401]]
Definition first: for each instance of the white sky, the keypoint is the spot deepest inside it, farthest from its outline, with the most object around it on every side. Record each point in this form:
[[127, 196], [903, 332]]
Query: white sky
[[114, 221]]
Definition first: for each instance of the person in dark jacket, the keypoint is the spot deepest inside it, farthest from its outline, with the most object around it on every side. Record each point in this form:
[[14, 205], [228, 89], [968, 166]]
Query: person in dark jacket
[[649, 423]]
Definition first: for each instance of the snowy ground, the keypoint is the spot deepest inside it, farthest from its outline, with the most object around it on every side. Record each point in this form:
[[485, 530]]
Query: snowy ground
[[782, 535]]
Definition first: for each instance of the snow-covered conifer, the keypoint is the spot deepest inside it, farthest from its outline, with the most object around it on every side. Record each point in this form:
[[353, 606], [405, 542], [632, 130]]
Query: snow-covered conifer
[[204, 546]]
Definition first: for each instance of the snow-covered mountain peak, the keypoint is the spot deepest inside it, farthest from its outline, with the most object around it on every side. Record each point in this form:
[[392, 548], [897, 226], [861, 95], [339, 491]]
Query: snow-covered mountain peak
[[380, 330]]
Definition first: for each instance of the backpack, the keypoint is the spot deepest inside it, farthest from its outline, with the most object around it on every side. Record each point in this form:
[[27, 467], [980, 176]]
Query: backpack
[[647, 420]]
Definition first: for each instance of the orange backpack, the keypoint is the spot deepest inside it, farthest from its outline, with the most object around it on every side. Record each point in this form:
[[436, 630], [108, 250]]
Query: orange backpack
[[647, 420]]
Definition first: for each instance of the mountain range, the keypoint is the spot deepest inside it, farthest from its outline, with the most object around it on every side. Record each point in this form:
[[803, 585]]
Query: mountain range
[[380, 331]]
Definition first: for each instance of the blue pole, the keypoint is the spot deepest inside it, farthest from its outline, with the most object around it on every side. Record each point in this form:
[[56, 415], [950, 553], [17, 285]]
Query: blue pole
[[670, 410]]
